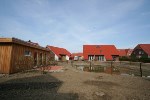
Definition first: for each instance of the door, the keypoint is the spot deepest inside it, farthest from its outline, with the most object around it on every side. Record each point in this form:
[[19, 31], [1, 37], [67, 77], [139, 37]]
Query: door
[[41, 59], [35, 59]]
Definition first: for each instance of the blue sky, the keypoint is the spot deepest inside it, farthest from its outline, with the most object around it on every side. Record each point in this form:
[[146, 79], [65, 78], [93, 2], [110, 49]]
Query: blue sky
[[72, 23]]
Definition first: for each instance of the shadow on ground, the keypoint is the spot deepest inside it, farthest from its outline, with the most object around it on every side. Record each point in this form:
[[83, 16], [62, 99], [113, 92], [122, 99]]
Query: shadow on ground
[[42, 87]]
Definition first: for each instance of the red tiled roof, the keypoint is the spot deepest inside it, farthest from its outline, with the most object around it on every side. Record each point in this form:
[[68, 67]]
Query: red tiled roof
[[106, 50], [122, 52], [145, 47], [59, 51], [76, 54], [125, 52], [129, 52]]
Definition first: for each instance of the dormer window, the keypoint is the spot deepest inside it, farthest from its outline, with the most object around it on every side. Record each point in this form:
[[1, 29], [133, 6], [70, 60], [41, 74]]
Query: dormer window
[[97, 46], [27, 53]]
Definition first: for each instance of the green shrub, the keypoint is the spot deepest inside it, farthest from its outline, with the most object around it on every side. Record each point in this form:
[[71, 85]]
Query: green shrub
[[145, 60], [124, 58]]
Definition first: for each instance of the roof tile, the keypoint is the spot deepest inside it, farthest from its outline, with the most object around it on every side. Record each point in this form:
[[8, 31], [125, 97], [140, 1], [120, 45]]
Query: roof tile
[[106, 50], [59, 51]]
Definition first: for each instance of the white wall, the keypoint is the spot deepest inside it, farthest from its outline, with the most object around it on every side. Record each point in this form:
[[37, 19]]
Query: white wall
[[104, 58], [67, 58], [56, 57], [75, 58]]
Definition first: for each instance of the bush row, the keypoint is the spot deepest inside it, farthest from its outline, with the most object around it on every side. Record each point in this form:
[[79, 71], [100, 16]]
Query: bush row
[[144, 60]]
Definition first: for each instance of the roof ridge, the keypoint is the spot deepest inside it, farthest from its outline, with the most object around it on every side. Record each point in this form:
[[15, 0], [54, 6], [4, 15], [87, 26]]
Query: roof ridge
[[56, 47], [100, 44]]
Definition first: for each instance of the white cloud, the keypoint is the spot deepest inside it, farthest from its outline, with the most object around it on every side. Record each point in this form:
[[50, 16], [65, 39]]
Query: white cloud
[[68, 24]]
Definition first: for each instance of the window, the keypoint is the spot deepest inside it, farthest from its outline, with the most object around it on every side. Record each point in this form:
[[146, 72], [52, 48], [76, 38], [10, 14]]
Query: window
[[101, 58], [140, 52], [27, 53], [91, 57]]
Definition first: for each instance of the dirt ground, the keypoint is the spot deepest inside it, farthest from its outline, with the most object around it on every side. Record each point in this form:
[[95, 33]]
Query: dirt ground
[[72, 84]]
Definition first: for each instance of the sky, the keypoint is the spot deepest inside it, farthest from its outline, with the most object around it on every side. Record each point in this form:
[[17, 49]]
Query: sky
[[71, 24]]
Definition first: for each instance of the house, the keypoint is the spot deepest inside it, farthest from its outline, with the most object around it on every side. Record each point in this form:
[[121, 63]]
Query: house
[[77, 56], [141, 51], [125, 52], [129, 52], [100, 52], [18, 55], [122, 52], [60, 53]]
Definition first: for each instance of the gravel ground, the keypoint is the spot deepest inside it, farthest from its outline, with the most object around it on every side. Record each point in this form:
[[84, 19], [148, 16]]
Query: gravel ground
[[72, 84]]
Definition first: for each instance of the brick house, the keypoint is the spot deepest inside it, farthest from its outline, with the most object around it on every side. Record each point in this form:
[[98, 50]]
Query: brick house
[[125, 52], [60, 53], [100, 52], [77, 56], [141, 51]]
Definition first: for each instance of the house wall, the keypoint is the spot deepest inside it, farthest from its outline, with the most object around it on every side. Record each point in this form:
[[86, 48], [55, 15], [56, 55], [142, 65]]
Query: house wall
[[5, 57], [63, 58], [75, 58], [52, 56], [56, 58], [78, 58], [67, 58], [20, 61], [115, 57], [129, 52]]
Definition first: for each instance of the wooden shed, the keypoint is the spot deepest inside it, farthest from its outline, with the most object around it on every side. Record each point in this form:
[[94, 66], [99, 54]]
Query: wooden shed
[[17, 55]]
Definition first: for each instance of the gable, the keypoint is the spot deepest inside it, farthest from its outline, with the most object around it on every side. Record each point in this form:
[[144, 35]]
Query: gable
[[59, 51], [144, 47]]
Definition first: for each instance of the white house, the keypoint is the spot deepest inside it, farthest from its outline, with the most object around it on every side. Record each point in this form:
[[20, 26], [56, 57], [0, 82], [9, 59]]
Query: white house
[[60, 53]]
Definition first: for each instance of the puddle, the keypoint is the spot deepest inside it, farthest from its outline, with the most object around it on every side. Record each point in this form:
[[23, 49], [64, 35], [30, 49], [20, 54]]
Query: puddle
[[117, 70]]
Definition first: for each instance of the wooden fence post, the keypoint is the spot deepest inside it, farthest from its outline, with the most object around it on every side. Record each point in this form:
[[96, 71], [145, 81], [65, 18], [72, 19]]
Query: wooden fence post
[[90, 65], [141, 68], [111, 68]]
